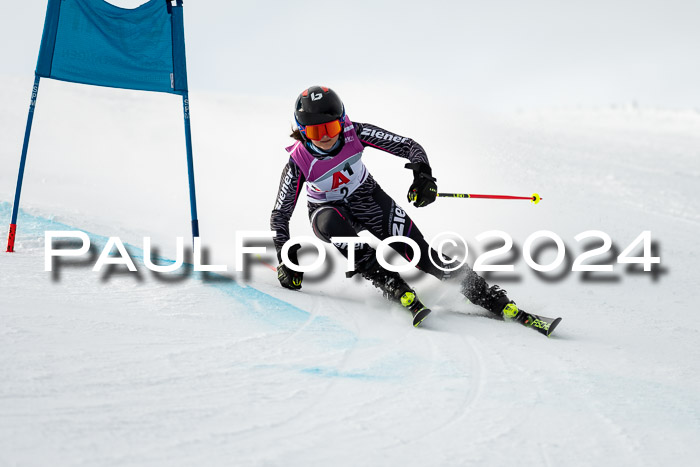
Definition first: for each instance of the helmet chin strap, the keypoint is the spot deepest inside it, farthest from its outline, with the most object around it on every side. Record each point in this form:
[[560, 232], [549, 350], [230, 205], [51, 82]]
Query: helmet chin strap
[[312, 147]]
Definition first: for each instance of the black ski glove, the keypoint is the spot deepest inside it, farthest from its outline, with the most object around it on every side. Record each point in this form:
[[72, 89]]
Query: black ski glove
[[288, 278], [423, 191]]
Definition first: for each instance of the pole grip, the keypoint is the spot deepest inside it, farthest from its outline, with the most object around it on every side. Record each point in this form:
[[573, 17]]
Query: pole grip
[[453, 195]]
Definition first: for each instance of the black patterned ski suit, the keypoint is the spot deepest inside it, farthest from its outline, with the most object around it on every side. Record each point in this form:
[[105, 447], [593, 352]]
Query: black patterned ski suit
[[367, 208]]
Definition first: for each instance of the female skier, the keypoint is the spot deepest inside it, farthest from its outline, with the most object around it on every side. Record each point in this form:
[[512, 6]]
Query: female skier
[[343, 199]]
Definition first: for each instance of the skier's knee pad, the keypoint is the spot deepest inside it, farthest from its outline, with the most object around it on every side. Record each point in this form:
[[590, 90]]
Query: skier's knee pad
[[328, 222]]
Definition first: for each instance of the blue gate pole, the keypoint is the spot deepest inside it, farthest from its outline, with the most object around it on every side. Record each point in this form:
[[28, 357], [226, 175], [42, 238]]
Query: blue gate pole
[[190, 164], [22, 162]]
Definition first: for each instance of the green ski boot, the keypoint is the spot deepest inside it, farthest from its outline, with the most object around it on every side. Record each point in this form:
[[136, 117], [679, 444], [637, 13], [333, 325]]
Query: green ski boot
[[396, 289]]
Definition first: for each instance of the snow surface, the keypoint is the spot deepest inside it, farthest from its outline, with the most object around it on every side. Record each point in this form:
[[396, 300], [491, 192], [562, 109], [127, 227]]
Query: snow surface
[[117, 368]]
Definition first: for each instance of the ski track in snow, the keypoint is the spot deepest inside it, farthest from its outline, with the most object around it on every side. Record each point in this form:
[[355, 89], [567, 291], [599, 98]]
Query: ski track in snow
[[476, 384]]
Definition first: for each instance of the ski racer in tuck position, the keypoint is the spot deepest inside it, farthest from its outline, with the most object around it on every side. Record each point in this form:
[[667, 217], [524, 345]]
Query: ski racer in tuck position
[[343, 199]]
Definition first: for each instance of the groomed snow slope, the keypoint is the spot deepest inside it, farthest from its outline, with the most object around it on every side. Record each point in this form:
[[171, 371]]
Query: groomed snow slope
[[136, 369]]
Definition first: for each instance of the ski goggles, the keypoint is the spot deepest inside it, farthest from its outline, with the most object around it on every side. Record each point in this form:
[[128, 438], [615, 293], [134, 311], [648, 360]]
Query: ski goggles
[[317, 132]]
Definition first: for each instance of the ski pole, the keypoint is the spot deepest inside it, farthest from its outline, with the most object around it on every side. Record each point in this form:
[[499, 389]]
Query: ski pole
[[535, 198], [268, 265]]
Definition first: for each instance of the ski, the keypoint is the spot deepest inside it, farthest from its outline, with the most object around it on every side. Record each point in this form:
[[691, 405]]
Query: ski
[[419, 315], [541, 324]]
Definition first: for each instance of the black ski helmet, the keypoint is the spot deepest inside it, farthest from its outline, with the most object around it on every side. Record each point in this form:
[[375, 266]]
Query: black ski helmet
[[316, 105]]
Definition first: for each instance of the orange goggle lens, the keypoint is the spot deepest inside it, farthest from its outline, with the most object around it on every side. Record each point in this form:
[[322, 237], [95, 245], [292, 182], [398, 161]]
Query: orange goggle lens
[[317, 132]]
